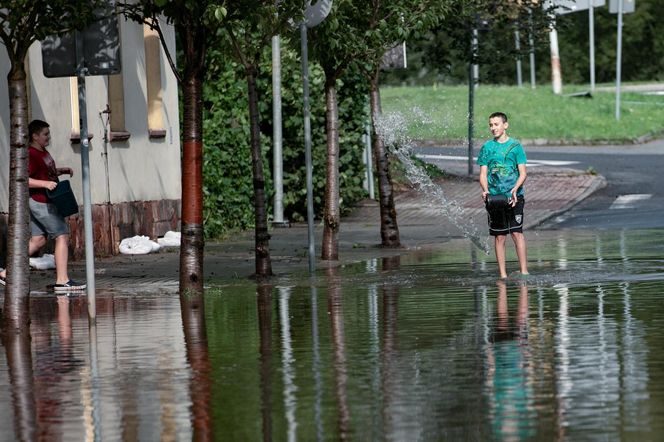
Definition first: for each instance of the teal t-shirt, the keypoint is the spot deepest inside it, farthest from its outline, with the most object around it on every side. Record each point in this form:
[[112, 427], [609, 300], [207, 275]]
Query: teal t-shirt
[[502, 161]]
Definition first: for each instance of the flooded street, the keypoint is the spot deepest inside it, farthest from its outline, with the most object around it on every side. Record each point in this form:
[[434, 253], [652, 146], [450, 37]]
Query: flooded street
[[426, 346]]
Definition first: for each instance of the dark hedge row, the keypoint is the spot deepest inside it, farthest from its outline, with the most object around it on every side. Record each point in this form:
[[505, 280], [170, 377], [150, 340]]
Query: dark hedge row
[[227, 183]]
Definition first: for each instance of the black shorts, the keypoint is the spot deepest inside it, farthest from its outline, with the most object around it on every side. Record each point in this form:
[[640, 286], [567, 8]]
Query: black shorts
[[506, 220]]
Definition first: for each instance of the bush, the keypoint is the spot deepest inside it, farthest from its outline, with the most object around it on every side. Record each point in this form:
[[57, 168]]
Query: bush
[[228, 190]]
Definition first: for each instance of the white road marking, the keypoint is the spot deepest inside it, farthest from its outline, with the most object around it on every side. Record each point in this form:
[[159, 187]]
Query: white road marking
[[627, 201], [531, 163]]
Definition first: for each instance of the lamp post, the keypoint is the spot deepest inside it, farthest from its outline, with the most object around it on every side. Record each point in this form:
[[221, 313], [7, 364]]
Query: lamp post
[[479, 24], [313, 16]]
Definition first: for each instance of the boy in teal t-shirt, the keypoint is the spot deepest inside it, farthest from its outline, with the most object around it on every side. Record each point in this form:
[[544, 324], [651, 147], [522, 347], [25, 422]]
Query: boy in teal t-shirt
[[502, 162]]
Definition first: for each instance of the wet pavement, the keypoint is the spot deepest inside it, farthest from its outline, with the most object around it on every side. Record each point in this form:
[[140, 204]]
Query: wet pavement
[[422, 346], [422, 225], [416, 343]]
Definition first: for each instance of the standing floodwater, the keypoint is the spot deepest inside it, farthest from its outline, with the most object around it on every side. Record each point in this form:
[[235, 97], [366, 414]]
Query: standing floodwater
[[426, 346], [392, 128]]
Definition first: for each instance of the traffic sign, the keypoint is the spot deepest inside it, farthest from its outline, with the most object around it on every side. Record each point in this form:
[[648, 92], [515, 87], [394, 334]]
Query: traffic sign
[[569, 6], [627, 6], [98, 48]]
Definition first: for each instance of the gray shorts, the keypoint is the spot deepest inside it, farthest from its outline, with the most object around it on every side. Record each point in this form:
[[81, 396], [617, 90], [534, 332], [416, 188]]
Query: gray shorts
[[46, 221]]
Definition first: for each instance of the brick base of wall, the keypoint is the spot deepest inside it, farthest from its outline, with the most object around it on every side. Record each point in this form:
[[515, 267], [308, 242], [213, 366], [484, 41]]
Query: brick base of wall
[[111, 223]]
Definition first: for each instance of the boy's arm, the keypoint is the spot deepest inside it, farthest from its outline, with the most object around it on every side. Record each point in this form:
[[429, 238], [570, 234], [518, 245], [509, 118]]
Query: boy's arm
[[41, 184], [519, 182], [484, 182]]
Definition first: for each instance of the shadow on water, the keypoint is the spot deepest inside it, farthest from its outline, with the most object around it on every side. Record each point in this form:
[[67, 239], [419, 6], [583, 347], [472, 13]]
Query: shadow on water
[[421, 346]]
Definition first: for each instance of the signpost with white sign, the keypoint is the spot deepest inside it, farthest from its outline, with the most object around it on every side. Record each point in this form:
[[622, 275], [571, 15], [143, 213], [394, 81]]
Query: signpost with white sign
[[313, 16], [92, 51], [569, 6], [620, 7]]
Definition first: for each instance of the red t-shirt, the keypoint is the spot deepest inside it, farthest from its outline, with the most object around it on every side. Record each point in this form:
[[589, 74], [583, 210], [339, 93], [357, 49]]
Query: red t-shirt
[[41, 166]]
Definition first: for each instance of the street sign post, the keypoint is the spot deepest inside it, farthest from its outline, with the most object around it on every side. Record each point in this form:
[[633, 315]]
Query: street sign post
[[620, 7], [313, 16], [569, 6], [92, 51]]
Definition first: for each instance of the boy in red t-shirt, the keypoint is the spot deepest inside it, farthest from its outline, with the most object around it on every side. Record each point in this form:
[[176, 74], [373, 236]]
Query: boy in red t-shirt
[[44, 217]]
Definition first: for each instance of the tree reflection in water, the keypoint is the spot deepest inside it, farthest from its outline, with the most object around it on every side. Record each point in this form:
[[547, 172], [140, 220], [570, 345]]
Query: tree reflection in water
[[195, 336]]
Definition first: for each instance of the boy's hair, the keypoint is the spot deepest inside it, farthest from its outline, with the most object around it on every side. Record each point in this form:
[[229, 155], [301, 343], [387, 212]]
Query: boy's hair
[[500, 115], [35, 127]]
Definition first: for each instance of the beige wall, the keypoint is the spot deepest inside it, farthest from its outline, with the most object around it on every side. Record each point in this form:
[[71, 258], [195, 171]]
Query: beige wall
[[140, 168]]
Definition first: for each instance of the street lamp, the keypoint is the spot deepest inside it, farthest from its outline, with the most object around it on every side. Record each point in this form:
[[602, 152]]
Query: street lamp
[[479, 24]]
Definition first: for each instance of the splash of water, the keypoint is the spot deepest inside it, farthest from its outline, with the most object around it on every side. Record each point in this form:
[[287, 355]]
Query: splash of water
[[392, 128]]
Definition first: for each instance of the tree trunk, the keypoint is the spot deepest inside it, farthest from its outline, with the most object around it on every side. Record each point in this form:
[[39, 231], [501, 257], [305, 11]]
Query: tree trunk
[[331, 213], [193, 242], [262, 237], [389, 230], [16, 310]]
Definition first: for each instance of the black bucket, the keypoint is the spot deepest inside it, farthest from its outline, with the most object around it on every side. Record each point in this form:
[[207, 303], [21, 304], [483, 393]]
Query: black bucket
[[63, 198]]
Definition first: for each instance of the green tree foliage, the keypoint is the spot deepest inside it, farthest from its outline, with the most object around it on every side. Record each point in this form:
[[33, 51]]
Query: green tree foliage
[[227, 167], [442, 54], [643, 45]]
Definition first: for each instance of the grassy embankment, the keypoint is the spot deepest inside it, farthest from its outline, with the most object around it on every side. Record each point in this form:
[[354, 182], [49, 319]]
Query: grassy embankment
[[534, 114]]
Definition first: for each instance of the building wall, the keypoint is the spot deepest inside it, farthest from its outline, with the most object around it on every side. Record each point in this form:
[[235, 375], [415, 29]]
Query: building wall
[[138, 171]]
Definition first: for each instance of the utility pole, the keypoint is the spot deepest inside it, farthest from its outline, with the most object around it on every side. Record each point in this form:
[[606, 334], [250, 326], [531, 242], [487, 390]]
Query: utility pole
[[277, 137], [556, 77]]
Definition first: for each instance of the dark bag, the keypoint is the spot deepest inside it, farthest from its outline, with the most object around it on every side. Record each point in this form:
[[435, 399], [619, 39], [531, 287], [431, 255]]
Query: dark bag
[[63, 198], [494, 202]]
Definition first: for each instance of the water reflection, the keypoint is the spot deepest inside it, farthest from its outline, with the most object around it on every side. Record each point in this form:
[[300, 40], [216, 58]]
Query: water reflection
[[389, 363], [423, 347], [192, 309], [509, 377], [264, 304], [335, 310], [21, 378]]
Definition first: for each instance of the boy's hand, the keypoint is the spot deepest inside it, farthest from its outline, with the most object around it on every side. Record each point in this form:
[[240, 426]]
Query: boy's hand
[[484, 195], [513, 199]]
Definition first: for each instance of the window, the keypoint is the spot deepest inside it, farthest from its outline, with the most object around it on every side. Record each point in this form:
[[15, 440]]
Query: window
[[153, 80]]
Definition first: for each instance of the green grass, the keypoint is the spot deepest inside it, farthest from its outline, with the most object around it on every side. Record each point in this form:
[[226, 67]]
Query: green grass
[[440, 113]]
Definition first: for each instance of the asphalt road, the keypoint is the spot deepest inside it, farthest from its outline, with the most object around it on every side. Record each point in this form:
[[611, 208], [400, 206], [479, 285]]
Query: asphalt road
[[632, 199]]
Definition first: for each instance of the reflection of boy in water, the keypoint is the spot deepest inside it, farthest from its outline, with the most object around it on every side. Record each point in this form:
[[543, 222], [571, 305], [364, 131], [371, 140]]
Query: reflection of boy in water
[[508, 381], [55, 367], [502, 162]]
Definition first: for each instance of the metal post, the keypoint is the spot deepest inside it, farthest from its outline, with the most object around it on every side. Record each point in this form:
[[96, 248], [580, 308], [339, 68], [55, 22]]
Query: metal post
[[368, 156], [517, 46], [556, 77], [277, 152], [307, 147], [471, 111], [619, 57], [85, 167], [475, 66], [591, 43], [531, 43]]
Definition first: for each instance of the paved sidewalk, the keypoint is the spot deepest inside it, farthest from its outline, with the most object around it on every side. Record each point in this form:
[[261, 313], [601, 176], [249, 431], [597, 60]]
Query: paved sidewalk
[[549, 192]]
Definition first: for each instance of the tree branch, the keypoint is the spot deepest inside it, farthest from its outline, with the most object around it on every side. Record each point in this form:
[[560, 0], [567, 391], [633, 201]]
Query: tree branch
[[157, 27]]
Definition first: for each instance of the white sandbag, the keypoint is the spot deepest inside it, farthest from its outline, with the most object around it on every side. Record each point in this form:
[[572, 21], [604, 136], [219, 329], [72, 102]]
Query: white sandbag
[[170, 239], [138, 245], [45, 262]]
